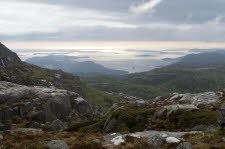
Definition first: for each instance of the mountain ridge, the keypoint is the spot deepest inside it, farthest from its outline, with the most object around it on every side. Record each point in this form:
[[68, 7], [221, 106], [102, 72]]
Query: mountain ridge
[[84, 68]]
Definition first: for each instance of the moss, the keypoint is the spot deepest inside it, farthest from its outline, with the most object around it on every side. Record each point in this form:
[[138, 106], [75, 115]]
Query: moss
[[99, 98], [94, 128], [88, 126], [132, 119]]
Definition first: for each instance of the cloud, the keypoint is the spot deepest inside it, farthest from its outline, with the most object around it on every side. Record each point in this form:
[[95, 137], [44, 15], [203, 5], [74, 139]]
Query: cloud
[[145, 7], [110, 20]]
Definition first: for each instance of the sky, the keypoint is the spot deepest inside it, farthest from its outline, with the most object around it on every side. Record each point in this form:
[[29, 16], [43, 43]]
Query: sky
[[144, 23]]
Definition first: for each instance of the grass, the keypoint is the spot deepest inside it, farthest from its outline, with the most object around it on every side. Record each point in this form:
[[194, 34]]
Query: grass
[[185, 120], [32, 140]]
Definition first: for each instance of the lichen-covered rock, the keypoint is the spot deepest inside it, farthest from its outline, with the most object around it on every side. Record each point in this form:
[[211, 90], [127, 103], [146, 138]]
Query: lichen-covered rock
[[57, 144], [57, 125], [41, 104], [156, 141], [206, 98], [167, 110], [184, 145]]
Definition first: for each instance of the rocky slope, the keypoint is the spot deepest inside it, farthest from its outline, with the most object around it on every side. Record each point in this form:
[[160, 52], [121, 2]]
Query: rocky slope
[[12, 69], [36, 114], [40, 105], [181, 121]]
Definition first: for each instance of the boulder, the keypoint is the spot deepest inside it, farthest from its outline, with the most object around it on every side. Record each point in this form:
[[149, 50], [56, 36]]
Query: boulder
[[172, 140], [82, 106], [57, 144], [156, 141], [57, 125], [184, 145], [207, 98], [167, 110], [221, 119], [41, 104]]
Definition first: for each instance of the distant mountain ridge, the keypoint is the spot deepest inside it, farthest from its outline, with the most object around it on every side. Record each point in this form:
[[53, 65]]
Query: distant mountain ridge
[[192, 73], [69, 64], [201, 60]]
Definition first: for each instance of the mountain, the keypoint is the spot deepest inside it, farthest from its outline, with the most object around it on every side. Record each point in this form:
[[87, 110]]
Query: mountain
[[192, 73], [49, 112], [87, 68], [12, 69]]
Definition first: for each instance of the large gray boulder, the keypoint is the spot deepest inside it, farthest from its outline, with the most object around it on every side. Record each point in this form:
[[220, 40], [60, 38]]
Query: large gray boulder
[[156, 141], [57, 144], [207, 98], [41, 104]]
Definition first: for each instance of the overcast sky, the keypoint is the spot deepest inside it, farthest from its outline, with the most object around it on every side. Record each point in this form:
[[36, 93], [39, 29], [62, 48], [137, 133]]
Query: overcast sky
[[112, 20]]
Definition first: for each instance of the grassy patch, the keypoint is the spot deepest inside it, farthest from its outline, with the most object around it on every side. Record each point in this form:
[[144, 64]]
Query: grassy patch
[[185, 119]]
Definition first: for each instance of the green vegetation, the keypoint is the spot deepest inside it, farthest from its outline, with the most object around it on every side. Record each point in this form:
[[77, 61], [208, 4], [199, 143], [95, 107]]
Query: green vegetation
[[100, 98], [129, 119], [207, 140], [88, 126], [162, 81], [185, 120]]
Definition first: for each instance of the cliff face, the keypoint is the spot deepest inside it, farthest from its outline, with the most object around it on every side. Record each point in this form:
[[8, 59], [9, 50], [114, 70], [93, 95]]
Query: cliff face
[[7, 57]]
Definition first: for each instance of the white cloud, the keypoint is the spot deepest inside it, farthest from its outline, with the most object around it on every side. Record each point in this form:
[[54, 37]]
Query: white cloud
[[168, 26], [145, 7], [24, 18]]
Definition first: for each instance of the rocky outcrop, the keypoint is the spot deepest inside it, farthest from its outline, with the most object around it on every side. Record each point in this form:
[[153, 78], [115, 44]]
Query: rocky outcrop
[[41, 104], [206, 98], [167, 110], [7, 57]]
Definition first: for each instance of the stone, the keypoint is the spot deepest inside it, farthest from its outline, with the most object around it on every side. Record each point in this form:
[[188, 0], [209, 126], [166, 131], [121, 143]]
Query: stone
[[167, 110], [57, 125], [184, 145], [156, 141], [1, 137], [42, 104], [172, 140], [118, 140], [207, 98], [25, 130], [111, 125], [57, 144], [221, 119]]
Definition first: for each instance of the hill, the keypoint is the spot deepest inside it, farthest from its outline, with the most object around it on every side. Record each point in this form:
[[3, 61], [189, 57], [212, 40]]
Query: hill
[[192, 73], [86, 68], [12, 69]]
